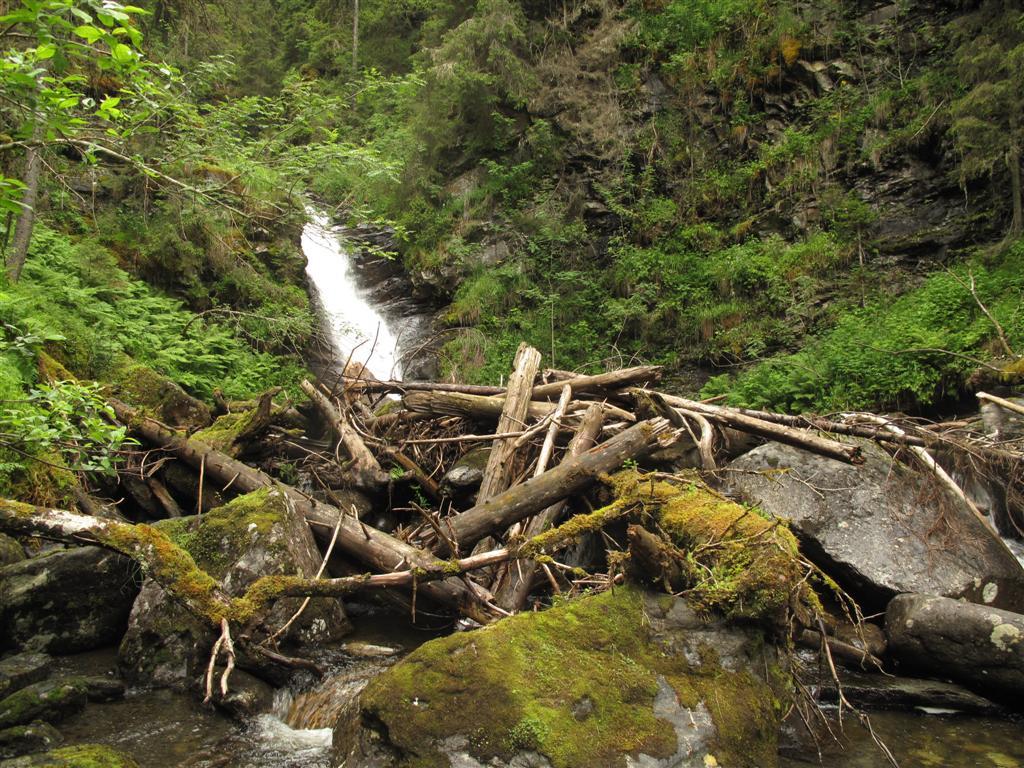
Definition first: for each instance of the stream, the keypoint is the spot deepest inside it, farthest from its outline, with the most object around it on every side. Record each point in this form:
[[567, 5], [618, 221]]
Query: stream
[[375, 325]]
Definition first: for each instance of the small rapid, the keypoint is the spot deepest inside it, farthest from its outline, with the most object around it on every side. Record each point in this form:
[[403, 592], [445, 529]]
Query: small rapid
[[354, 326]]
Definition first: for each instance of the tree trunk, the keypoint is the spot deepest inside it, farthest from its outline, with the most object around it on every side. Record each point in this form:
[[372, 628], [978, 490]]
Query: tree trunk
[[27, 217], [355, 37], [521, 501], [1013, 160]]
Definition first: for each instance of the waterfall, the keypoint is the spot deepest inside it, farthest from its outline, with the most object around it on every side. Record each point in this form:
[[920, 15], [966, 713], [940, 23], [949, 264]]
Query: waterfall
[[354, 325]]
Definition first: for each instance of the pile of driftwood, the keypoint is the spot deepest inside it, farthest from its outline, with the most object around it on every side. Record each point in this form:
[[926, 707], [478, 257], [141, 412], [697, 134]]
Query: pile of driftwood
[[552, 435]]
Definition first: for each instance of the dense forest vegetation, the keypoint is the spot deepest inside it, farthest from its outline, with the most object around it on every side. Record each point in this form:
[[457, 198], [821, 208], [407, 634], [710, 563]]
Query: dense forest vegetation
[[798, 206]]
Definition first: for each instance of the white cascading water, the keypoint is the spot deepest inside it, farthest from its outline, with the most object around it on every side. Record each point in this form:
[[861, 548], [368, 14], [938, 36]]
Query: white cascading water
[[355, 327]]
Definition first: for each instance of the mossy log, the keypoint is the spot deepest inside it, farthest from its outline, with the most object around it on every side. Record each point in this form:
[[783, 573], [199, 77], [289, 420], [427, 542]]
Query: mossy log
[[372, 547], [521, 501], [176, 571]]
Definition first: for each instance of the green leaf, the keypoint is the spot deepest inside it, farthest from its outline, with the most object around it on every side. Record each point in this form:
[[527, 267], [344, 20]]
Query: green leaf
[[122, 54], [89, 32], [46, 51]]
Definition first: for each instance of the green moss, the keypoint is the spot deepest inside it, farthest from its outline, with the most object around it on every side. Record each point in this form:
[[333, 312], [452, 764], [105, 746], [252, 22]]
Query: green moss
[[576, 683], [155, 395], [224, 534], [46, 701], [225, 430], [738, 563], [85, 756]]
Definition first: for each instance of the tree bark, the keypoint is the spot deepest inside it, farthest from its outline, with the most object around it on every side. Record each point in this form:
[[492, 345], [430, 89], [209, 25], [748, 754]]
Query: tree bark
[[602, 383], [27, 217], [1013, 161], [570, 476]]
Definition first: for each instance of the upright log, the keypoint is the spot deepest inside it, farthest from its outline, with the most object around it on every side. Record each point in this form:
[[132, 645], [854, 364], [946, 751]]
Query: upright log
[[367, 544], [570, 476], [501, 465], [512, 592]]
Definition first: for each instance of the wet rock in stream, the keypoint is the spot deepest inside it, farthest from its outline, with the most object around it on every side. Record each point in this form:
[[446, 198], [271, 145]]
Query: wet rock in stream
[[22, 669], [47, 605], [25, 739], [77, 756]]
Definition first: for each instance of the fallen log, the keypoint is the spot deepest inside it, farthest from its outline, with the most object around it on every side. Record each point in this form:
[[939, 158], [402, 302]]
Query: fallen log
[[601, 384], [174, 570], [514, 588], [370, 546], [800, 438], [521, 501], [365, 469], [490, 408]]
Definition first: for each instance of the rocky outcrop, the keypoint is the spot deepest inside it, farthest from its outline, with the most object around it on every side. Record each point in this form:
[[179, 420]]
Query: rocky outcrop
[[621, 678], [881, 528], [67, 601], [981, 647], [253, 536]]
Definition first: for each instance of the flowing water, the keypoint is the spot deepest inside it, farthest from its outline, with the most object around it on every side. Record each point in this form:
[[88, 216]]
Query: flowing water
[[366, 309]]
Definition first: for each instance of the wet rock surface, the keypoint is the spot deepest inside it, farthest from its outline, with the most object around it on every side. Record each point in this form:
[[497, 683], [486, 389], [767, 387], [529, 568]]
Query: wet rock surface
[[22, 669], [25, 739], [10, 550], [67, 601], [981, 647], [880, 692], [49, 701], [880, 528]]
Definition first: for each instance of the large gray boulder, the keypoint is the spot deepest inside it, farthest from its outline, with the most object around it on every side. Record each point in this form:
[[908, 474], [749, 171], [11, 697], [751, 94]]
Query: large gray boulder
[[880, 528], [255, 535], [624, 678], [981, 647], [68, 601]]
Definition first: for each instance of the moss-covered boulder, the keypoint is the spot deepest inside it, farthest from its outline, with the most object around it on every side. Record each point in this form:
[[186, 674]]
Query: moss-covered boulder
[[77, 756], [25, 739], [66, 601], [253, 536], [618, 679], [49, 701]]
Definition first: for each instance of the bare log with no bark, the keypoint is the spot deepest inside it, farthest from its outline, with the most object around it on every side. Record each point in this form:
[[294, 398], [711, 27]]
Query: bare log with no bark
[[365, 469]]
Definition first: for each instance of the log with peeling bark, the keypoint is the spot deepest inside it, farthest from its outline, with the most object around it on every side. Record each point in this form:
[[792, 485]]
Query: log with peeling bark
[[521, 501], [801, 438], [370, 546], [517, 577], [601, 384], [490, 408], [365, 469]]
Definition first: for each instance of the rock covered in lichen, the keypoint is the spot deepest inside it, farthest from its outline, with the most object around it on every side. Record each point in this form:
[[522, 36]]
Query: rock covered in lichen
[[49, 701], [66, 601], [617, 679], [254, 536]]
